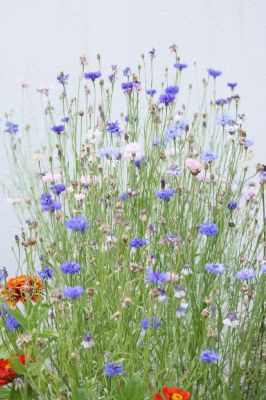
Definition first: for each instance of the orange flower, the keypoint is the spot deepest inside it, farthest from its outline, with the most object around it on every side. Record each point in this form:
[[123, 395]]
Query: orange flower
[[7, 374], [18, 288], [172, 394]]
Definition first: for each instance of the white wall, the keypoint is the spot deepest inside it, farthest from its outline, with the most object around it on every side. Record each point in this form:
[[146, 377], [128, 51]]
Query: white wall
[[38, 39]]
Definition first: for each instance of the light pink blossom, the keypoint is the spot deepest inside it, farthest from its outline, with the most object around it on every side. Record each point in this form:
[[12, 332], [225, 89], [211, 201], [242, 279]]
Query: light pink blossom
[[24, 83], [133, 151], [192, 164], [51, 178]]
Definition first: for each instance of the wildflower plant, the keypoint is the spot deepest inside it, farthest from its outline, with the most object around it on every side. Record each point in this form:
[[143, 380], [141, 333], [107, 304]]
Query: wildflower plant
[[141, 263]]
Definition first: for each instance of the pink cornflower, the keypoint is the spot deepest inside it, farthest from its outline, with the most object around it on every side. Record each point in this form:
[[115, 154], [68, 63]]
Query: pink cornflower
[[51, 178]]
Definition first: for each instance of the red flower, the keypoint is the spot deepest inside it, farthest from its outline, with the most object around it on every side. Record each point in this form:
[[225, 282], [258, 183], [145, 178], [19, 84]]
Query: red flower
[[172, 394], [18, 288], [7, 373]]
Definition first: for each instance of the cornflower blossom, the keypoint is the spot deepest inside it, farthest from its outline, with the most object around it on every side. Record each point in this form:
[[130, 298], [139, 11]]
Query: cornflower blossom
[[250, 193], [263, 268], [180, 66], [138, 242], [48, 204], [11, 323], [232, 85], [209, 156], [24, 83], [62, 78], [44, 89], [186, 270], [193, 165], [151, 92], [174, 170], [113, 128], [133, 151], [167, 98], [73, 292], [46, 273], [58, 129], [123, 196], [248, 143], [174, 132], [165, 194], [94, 136], [232, 205], [225, 120], [58, 189], [209, 356], [182, 310], [70, 267], [231, 320], [92, 75], [173, 90], [111, 369], [156, 277], [221, 102], [78, 224], [214, 73], [87, 341], [245, 274], [150, 323], [180, 291], [215, 269], [208, 229], [204, 176], [51, 178], [11, 128], [262, 175]]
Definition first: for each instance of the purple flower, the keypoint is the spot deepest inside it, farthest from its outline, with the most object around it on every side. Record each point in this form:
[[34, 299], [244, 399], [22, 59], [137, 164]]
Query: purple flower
[[231, 320], [138, 242], [58, 189], [165, 194], [209, 356], [92, 75], [11, 128], [127, 86], [171, 90], [263, 268], [78, 224], [215, 269], [46, 273], [73, 292], [180, 66], [156, 277], [245, 274], [113, 127], [208, 229], [262, 175], [225, 120], [62, 78], [151, 92], [109, 152], [232, 85], [127, 72], [209, 156], [173, 132], [166, 98], [214, 73], [248, 143], [11, 323], [70, 267], [111, 369], [58, 128], [232, 205], [123, 196], [48, 204], [181, 310], [150, 323], [221, 102], [180, 291], [65, 119], [87, 341]]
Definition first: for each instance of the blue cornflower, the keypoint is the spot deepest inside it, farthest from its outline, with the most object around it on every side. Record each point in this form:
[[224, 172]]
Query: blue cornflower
[[48, 204], [123, 196], [156, 277], [127, 72], [62, 78], [138, 242], [150, 323], [11, 323], [156, 142], [208, 229], [263, 268], [70, 267], [152, 53], [171, 90], [138, 163], [113, 127], [166, 98], [262, 175], [232, 205], [209, 356], [110, 152], [245, 274], [221, 102], [173, 132], [3, 274], [181, 310], [65, 119], [78, 224], [232, 85], [225, 120], [174, 170], [165, 194], [209, 155], [58, 128], [151, 92], [46, 273], [58, 189], [11, 127], [215, 269], [92, 75], [127, 86], [180, 66], [111, 369], [214, 73], [248, 143], [73, 292]]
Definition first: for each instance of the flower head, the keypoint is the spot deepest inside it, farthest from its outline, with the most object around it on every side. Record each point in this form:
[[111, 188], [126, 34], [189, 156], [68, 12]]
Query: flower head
[[232, 85], [48, 204], [231, 320], [150, 323], [11, 323], [215, 269], [180, 66], [11, 127], [151, 92], [208, 229], [111, 369], [58, 128], [87, 341], [20, 288], [209, 156], [156, 277], [58, 189], [7, 373], [245, 274], [92, 75], [73, 292], [171, 90], [214, 73], [70, 267], [167, 98], [165, 194], [133, 151], [209, 356], [46, 273], [114, 128], [109, 152], [78, 224], [172, 393], [62, 78], [138, 242]]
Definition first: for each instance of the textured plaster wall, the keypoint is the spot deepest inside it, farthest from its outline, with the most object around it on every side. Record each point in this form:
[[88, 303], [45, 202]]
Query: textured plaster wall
[[40, 38]]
